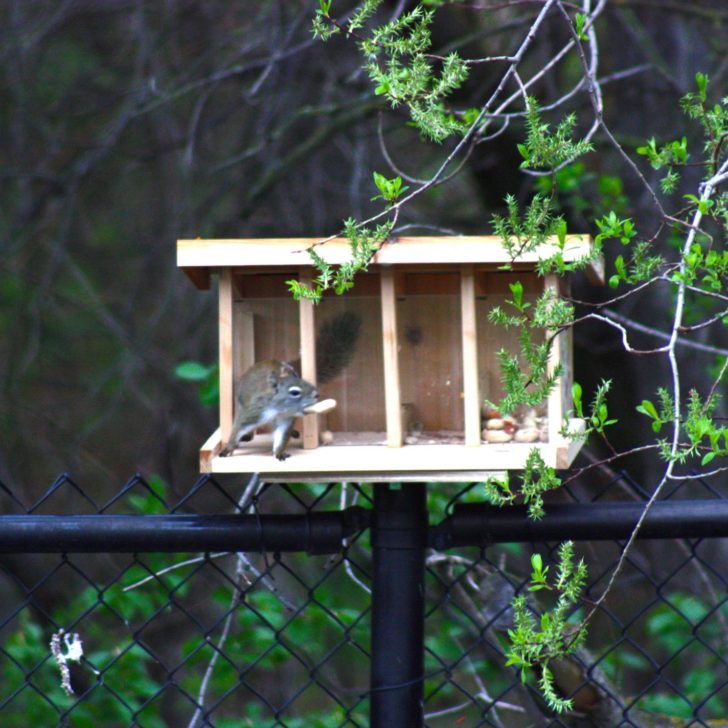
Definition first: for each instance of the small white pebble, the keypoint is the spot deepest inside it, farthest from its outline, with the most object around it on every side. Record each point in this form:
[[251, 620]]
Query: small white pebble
[[497, 436], [526, 434]]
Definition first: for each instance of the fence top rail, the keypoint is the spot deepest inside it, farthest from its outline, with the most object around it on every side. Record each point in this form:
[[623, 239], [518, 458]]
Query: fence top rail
[[326, 531]]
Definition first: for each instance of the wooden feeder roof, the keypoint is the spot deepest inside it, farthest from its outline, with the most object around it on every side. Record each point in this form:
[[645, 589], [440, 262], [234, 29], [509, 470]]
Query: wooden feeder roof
[[200, 257]]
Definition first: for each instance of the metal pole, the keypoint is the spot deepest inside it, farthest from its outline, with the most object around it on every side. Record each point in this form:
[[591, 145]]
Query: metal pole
[[399, 538], [475, 524], [320, 532]]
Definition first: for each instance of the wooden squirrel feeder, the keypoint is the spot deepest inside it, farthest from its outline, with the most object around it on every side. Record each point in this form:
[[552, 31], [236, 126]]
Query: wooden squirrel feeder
[[410, 402]]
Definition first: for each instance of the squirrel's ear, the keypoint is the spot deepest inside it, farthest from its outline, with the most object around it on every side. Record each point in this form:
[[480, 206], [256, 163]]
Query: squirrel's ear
[[287, 370]]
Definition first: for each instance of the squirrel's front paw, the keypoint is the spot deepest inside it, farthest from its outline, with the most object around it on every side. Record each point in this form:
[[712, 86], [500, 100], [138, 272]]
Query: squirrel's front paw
[[281, 456]]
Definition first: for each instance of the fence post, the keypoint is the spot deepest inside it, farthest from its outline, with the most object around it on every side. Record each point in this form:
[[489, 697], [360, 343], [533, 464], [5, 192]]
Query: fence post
[[399, 537]]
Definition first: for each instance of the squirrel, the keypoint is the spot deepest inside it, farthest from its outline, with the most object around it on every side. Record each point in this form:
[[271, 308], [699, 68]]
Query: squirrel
[[272, 393]]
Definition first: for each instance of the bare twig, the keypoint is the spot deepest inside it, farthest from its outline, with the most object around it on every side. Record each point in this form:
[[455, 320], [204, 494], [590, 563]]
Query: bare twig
[[706, 193]]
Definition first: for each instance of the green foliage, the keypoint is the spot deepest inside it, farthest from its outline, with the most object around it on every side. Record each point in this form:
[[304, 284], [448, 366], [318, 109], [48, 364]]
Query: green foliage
[[705, 438], [363, 242], [125, 673], [525, 375], [661, 415], [264, 633], [498, 490], [700, 427], [670, 155], [521, 234], [641, 265], [545, 149], [117, 680], [110, 667], [389, 189], [323, 26], [671, 627], [596, 419], [610, 226], [537, 642], [536, 480], [713, 119], [678, 630], [674, 153], [206, 376], [705, 269], [400, 65], [579, 24], [582, 191], [539, 573]]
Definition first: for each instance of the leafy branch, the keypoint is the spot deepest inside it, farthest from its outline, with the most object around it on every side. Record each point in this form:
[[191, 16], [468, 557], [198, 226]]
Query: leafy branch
[[400, 65], [538, 642], [544, 149], [536, 480], [597, 418], [364, 243], [526, 376]]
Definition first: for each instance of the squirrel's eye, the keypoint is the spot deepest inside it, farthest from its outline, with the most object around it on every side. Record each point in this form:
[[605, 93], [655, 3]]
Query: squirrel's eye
[[294, 391]]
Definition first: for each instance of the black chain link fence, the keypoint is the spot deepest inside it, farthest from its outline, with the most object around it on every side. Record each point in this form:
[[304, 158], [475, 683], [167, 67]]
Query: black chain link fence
[[282, 637]]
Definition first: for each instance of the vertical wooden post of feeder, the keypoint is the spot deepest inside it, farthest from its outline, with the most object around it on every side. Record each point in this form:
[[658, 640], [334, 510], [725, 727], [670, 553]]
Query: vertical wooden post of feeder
[[392, 394], [243, 339], [555, 409], [226, 312], [308, 358], [471, 395]]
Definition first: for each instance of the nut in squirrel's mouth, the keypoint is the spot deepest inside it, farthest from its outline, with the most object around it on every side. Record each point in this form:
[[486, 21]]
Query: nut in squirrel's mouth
[[319, 408]]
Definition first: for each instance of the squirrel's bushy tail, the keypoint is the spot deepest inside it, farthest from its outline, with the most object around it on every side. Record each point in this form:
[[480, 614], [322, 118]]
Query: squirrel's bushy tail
[[336, 344]]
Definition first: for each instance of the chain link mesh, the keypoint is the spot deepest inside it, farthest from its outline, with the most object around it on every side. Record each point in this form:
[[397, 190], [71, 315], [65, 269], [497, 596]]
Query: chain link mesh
[[283, 639]]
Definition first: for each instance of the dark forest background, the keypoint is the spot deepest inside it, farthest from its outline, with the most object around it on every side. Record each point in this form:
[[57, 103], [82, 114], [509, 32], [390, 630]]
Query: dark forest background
[[127, 125]]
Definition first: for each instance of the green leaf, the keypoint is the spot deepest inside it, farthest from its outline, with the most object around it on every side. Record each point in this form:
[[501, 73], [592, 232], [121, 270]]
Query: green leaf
[[702, 82], [390, 189], [579, 23], [193, 371], [210, 392], [561, 230], [647, 408], [537, 563], [470, 115], [517, 292], [381, 182], [705, 205]]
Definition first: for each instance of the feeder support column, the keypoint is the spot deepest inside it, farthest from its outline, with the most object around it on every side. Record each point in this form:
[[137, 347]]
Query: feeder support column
[[471, 395]]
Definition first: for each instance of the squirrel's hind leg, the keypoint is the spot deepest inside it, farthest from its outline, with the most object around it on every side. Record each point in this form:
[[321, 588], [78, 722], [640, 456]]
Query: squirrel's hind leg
[[241, 433]]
